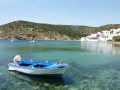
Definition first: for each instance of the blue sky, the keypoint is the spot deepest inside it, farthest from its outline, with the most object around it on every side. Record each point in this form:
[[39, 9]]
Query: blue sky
[[66, 12]]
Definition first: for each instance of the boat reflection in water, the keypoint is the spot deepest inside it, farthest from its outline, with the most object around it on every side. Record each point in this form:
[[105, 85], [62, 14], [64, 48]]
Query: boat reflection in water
[[38, 80]]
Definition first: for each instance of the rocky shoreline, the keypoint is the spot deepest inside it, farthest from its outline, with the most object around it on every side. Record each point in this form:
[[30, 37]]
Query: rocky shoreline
[[115, 43]]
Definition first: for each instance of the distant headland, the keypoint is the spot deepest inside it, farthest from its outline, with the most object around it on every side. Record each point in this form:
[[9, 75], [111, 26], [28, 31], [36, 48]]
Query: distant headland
[[25, 30]]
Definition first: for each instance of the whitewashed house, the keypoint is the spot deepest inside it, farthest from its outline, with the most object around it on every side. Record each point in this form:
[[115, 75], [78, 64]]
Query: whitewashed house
[[102, 36]]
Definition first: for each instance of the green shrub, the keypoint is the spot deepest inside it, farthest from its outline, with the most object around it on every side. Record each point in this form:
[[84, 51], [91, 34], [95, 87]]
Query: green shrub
[[116, 38]]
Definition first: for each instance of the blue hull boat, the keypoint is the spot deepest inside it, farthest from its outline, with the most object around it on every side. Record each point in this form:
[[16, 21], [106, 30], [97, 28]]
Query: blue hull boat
[[39, 68]]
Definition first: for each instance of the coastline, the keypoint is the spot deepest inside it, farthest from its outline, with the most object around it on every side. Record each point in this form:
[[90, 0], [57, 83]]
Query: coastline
[[111, 42], [115, 43], [42, 40]]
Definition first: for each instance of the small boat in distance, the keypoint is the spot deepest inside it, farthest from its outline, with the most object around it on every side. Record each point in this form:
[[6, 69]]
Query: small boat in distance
[[13, 40], [33, 41], [37, 68]]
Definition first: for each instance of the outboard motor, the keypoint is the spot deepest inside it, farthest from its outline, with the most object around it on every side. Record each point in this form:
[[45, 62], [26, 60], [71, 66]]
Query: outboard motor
[[17, 59]]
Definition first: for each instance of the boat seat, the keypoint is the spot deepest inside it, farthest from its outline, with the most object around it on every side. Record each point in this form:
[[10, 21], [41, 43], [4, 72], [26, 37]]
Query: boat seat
[[36, 66]]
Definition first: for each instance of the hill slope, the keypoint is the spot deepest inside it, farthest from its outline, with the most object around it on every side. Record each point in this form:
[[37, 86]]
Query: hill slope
[[31, 30]]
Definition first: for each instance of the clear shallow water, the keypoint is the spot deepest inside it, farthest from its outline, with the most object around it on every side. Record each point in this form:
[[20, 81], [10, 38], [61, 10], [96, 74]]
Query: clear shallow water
[[93, 66]]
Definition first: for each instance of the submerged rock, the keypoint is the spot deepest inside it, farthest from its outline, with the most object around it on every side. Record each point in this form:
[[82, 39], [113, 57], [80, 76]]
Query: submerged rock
[[1, 73]]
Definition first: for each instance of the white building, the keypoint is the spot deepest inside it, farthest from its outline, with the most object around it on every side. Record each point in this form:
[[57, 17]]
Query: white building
[[102, 36]]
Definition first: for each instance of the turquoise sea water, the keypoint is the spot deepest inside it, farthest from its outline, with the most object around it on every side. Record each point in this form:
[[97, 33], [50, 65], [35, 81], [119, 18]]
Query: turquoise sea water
[[93, 66]]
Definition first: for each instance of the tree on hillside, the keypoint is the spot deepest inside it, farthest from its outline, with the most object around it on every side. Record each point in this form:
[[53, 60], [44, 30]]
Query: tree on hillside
[[116, 38]]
